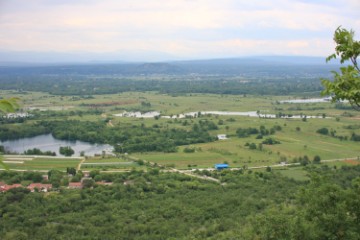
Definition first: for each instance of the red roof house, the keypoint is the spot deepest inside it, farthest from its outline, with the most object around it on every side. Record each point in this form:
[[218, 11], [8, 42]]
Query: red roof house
[[5, 187], [41, 187], [75, 185]]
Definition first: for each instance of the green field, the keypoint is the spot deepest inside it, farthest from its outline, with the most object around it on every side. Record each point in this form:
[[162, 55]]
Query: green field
[[37, 163], [109, 163], [297, 137], [293, 144]]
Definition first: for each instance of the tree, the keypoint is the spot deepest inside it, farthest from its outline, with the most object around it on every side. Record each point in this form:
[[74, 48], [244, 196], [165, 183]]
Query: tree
[[346, 84], [94, 173], [317, 159], [323, 131], [55, 177], [71, 170], [304, 160], [252, 146], [88, 183], [67, 151]]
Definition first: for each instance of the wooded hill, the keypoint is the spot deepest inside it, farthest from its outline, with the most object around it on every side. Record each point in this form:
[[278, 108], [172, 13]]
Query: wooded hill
[[154, 205]]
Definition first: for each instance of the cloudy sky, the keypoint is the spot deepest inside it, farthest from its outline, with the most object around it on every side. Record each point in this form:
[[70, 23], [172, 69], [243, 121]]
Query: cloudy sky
[[154, 30]]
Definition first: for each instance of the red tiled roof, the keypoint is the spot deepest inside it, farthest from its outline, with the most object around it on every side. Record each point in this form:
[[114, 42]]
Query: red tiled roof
[[39, 186], [6, 187], [75, 185]]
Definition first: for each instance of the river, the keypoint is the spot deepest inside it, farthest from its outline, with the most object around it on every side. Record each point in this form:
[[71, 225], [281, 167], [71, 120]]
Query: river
[[222, 113]]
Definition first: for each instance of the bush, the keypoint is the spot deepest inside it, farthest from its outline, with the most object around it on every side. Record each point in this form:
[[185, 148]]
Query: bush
[[355, 137], [189, 150], [323, 131], [270, 141], [252, 146], [317, 159]]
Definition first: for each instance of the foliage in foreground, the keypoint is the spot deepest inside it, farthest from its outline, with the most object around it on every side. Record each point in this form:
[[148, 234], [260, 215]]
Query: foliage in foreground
[[9, 105], [346, 84], [157, 205]]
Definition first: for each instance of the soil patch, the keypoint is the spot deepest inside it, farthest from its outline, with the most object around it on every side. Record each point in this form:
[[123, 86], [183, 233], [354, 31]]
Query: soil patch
[[352, 162]]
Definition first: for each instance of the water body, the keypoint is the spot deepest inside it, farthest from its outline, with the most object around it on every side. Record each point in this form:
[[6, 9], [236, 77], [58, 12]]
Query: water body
[[47, 142], [222, 113], [138, 114], [308, 100]]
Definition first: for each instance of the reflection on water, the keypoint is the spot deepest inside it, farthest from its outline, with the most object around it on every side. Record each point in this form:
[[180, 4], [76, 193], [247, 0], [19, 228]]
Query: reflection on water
[[48, 143]]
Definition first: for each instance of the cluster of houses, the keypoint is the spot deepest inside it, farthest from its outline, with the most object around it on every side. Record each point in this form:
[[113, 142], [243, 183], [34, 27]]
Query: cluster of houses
[[32, 187], [41, 187]]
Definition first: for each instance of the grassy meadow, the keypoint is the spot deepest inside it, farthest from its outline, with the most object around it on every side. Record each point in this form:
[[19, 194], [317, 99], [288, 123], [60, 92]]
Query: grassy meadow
[[294, 143], [108, 164], [297, 137], [39, 163]]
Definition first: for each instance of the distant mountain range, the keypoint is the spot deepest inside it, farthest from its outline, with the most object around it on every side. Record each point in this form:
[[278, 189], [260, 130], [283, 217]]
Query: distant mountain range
[[266, 65], [84, 58]]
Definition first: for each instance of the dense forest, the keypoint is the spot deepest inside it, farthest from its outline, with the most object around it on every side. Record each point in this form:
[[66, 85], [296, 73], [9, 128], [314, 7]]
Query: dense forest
[[155, 205], [218, 77], [80, 85]]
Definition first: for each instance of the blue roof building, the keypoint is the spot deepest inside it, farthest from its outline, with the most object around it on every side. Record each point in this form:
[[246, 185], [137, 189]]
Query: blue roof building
[[221, 166]]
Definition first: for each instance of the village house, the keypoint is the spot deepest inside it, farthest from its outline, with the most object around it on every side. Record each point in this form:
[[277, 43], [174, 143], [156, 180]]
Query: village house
[[40, 187], [5, 187], [75, 185]]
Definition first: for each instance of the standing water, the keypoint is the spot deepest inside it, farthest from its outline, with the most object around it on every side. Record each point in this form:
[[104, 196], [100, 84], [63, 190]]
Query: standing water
[[47, 142]]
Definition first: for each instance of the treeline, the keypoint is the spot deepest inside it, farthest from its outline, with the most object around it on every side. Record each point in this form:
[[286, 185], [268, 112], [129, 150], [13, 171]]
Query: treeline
[[17, 131], [155, 205], [84, 86], [131, 138], [354, 136], [260, 132], [125, 138], [11, 177], [36, 151]]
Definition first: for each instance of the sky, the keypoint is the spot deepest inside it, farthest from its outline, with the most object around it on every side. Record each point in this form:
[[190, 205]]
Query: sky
[[158, 30]]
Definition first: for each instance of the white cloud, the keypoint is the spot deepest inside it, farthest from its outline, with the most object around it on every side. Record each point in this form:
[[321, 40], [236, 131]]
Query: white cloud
[[180, 27]]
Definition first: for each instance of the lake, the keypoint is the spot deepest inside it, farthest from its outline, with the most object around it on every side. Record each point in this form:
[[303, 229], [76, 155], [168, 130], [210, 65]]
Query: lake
[[47, 142]]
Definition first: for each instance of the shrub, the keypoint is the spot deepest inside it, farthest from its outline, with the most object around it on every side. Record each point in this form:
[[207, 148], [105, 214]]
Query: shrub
[[189, 150], [270, 141], [317, 159], [323, 131]]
